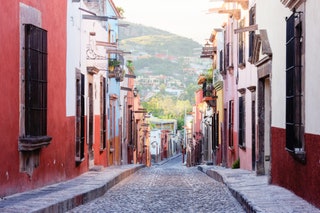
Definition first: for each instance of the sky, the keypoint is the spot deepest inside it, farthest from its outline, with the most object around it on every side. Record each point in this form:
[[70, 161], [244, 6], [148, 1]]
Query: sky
[[188, 18]]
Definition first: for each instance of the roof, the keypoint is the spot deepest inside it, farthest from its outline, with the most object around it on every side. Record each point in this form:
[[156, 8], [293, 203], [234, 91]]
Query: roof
[[115, 9]]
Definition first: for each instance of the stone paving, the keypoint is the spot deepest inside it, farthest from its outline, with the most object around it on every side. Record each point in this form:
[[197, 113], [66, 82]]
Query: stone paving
[[165, 187], [170, 187], [66, 195]]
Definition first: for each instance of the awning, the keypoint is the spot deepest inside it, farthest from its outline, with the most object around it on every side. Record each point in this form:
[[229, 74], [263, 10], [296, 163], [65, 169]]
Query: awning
[[126, 88], [106, 44], [129, 76], [246, 29], [117, 51]]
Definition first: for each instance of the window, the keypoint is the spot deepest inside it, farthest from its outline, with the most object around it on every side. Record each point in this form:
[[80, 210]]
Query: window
[[230, 123], [241, 43], [242, 129], [80, 131], [130, 127], [112, 126], [215, 139], [221, 65], [33, 90], [36, 81], [294, 97], [103, 123], [228, 59], [252, 21]]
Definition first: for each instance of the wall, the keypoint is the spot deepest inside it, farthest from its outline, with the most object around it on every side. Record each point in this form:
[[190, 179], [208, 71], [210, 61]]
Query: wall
[[303, 180], [9, 81], [276, 29], [286, 171], [312, 103]]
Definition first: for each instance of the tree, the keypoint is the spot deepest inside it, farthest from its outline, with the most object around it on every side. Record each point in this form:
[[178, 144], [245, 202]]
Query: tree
[[168, 107]]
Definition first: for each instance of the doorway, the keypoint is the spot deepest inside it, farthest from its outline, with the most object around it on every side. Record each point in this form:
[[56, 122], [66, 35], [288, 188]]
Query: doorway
[[267, 138], [264, 126]]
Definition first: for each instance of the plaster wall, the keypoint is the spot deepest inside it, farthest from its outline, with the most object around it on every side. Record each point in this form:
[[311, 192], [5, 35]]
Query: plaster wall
[[312, 77], [275, 25]]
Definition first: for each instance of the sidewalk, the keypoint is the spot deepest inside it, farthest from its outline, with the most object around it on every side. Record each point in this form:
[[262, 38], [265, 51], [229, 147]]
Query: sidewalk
[[69, 194], [255, 194]]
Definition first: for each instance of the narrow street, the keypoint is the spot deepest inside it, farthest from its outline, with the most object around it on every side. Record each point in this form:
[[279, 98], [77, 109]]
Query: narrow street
[[171, 187]]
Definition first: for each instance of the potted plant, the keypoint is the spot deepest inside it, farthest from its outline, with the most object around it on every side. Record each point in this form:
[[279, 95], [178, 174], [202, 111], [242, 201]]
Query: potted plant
[[130, 66], [112, 63]]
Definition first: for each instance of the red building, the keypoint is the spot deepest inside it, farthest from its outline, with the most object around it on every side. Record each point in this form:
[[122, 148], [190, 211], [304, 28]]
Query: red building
[[45, 117], [37, 137]]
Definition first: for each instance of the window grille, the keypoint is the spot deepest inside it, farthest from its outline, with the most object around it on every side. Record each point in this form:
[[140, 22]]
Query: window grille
[[252, 21], [35, 81], [294, 124], [241, 43], [215, 122], [230, 123], [242, 121], [80, 131], [228, 56], [103, 123], [221, 65]]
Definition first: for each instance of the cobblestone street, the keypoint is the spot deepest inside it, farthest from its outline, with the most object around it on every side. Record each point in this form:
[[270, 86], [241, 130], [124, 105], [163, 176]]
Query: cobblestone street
[[170, 187]]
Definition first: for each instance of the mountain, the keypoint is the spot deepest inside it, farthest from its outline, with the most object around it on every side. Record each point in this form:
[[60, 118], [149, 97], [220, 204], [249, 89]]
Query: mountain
[[138, 37], [168, 60], [131, 30]]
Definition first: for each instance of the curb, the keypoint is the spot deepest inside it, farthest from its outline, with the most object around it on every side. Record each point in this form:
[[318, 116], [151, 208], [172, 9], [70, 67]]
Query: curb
[[67, 195], [88, 196], [244, 202]]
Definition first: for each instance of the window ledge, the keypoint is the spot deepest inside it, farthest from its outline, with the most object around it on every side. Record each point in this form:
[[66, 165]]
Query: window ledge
[[242, 65], [103, 149], [231, 149], [298, 155], [243, 147], [32, 143]]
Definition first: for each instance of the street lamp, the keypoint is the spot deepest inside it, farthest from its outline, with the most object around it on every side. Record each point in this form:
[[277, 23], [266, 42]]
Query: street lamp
[[135, 92]]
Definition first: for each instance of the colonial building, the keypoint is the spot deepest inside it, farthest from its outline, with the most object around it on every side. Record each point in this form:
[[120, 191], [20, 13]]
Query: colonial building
[[38, 137], [269, 84], [63, 115], [92, 88]]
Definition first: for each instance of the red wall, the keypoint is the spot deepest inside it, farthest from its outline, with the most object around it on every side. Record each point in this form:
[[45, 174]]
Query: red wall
[[57, 161], [100, 157], [9, 83], [302, 179]]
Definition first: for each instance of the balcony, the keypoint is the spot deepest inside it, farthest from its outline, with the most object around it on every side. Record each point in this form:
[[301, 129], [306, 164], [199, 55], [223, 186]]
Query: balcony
[[209, 95], [115, 70]]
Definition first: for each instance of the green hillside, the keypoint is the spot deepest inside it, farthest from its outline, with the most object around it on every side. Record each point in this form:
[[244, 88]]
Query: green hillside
[[156, 52], [137, 37]]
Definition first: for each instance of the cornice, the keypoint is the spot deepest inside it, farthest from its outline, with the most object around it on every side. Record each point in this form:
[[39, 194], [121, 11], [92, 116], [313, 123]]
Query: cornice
[[291, 4]]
